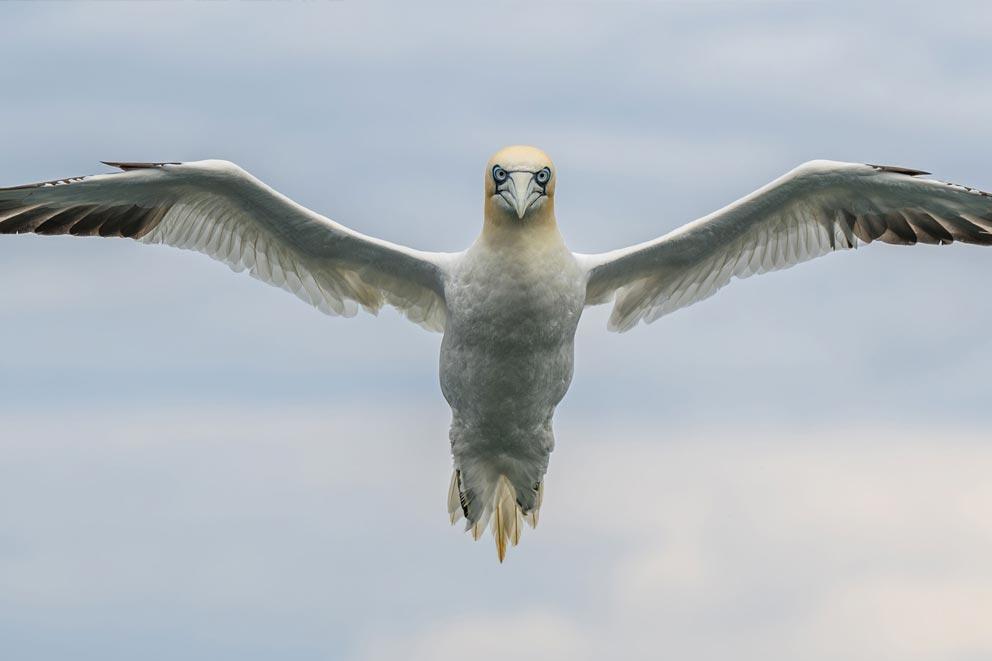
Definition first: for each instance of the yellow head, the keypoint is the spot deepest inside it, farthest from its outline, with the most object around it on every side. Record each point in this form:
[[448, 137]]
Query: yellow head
[[520, 185]]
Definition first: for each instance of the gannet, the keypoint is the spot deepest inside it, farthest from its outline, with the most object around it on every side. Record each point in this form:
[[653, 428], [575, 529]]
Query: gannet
[[509, 304]]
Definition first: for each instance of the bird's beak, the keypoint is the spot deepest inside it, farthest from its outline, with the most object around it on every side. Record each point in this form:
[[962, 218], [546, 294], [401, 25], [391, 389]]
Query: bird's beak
[[524, 191]]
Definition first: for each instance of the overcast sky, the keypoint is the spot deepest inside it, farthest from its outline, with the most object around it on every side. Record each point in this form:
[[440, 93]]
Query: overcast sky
[[197, 466]]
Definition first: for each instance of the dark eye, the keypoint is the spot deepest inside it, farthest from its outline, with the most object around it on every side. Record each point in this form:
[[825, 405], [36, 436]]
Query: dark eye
[[499, 174], [544, 176]]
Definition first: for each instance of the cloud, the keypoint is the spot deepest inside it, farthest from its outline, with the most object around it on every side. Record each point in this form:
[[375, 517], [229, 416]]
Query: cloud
[[856, 543], [768, 543], [796, 468], [909, 617], [536, 636]]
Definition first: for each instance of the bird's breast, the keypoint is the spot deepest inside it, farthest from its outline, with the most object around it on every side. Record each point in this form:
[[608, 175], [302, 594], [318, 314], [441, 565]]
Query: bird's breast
[[507, 347], [516, 301]]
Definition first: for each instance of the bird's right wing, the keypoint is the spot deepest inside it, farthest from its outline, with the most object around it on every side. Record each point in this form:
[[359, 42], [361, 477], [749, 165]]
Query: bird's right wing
[[218, 209], [817, 208]]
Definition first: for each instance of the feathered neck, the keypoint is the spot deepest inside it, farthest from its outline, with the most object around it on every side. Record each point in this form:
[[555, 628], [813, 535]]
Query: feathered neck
[[501, 227]]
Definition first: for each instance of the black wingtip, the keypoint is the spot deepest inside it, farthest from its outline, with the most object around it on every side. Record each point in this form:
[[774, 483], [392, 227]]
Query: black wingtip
[[898, 170], [136, 166]]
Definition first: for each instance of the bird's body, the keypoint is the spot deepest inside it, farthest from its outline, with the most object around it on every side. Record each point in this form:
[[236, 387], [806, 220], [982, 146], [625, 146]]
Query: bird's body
[[509, 305], [506, 359]]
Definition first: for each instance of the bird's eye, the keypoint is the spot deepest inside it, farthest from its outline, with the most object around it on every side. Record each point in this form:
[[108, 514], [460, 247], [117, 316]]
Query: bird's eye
[[543, 176], [499, 174]]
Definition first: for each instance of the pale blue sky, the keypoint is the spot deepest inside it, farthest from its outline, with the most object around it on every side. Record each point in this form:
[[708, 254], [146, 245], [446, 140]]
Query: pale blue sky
[[197, 466]]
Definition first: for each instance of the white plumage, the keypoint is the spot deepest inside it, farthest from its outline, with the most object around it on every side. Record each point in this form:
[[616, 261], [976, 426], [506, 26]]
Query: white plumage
[[508, 305]]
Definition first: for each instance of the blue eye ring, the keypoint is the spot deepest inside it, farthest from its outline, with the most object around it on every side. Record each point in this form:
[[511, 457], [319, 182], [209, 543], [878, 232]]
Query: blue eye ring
[[499, 174], [543, 176]]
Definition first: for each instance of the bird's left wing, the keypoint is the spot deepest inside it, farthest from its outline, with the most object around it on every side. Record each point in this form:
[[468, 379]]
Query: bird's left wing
[[218, 209], [817, 208]]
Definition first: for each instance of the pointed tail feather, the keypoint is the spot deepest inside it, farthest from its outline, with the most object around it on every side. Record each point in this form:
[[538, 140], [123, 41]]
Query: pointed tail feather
[[502, 514], [533, 514], [455, 510]]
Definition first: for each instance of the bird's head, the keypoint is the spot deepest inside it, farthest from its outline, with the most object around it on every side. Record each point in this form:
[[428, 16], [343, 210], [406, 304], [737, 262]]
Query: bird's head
[[520, 185]]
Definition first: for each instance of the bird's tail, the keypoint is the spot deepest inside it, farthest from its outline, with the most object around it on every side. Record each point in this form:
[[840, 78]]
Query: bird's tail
[[502, 511]]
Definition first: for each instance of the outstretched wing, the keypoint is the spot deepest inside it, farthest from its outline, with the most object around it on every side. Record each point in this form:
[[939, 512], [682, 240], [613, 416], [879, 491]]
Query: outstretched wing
[[218, 209], [817, 208]]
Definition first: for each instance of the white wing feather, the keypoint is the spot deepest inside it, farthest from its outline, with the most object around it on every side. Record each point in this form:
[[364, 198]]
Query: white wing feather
[[817, 208], [216, 208]]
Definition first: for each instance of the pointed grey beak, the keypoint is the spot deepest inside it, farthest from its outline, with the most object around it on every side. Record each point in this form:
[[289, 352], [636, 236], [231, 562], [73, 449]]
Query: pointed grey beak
[[524, 191]]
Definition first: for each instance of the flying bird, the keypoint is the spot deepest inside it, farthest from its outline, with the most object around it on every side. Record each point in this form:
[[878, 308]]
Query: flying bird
[[509, 304]]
